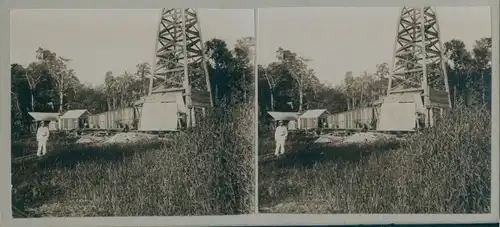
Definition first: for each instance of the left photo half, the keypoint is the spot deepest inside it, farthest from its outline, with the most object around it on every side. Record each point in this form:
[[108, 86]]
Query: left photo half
[[144, 112]]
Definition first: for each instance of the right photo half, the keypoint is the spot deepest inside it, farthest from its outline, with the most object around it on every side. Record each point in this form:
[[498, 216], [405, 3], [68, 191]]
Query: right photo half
[[374, 110]]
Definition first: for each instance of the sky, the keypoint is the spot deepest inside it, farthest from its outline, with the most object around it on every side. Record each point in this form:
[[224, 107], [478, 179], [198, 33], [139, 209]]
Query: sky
[[356, 39], [98, 41]]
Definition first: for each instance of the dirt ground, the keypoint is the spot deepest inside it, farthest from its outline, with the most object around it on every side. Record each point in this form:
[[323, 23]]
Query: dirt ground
[[119, 138]]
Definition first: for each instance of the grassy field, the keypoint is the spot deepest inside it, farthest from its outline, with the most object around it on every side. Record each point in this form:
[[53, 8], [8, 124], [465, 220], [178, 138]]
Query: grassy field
[[208, 171], [445, 169]]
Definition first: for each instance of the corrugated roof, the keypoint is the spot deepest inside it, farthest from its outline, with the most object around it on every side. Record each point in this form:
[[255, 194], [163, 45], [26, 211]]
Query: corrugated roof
[[72, 114], [314, 113], [284, 116], [40, 116]]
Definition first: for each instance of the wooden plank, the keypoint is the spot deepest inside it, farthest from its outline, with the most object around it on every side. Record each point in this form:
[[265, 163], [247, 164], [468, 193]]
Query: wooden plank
[[438, 98], [397, 117], [342, 120], [440, 105], [200, 98], [161, 97]]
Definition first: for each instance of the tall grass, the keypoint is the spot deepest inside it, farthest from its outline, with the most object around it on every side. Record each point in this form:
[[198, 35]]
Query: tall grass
[[445, 169], [206, 171]]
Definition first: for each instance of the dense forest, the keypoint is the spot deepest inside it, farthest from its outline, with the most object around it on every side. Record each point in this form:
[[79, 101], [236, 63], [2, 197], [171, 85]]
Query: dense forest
[[288, 84], [49, 85]]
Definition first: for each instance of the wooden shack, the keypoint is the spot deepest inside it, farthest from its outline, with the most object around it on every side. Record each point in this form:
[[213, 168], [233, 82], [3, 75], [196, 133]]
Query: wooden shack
[[38, 117], [74, 119], [290, 119], [314, 119], [113, 119], [397, 111], [166, 109], [353, 119]]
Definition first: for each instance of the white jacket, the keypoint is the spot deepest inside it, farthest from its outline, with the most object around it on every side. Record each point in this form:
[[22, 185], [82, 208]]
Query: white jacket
[[281, 133], [42, 133]]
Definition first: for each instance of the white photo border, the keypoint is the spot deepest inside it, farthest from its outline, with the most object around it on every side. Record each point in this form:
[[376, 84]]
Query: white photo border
[[251, 219]]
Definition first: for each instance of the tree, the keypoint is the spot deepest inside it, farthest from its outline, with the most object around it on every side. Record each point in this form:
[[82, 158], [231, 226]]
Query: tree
[[383, 70], [245, 47], [482, 61], [459, 66], [469, 74], [33, 73], [20, 98], [109, 89], [348, 88], [123, 84], [244, 68], [231, 73], [72, 84], [143, 71], [272, 78], [58, 69], [50, 78], [220, 60], [297, 68]]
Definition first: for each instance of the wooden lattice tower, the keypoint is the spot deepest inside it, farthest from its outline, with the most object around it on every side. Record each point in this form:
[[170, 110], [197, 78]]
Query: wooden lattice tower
[[179, 59], [418, 62]]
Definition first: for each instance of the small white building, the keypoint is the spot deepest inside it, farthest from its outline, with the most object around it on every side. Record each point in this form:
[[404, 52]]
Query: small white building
[[73, 119], [397, 111], [166, 109], [313, 119], [52, 118], [290, 118]]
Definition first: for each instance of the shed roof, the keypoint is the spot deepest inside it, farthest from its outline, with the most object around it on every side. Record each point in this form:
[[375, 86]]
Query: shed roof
[[314, 113], [41, 116], [284, 116], [72, 114]]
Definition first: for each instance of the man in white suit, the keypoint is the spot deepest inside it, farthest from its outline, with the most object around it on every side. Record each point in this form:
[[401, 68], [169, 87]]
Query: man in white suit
[[280, 136], [42, 136]]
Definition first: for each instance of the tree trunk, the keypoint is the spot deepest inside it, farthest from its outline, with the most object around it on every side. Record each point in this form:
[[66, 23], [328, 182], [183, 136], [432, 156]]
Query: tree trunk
[[109, 103], [114, 102], [122, 101], [272, 98], [301, 93], [301, 99], [19, 107], [271, 92], [455, 95], [61, 95], [483, 88], [32, 101], [362, 101], [245, 95], [145, 87], [216, 96]]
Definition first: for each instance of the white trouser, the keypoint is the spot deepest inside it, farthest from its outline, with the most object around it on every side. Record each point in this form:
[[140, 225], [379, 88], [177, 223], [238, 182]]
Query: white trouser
[[42, 147], [280, 146]]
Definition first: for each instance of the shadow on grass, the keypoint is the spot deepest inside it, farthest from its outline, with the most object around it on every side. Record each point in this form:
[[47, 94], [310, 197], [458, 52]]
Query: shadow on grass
[[27, 144], [206, 171], [68, 155], [31, 178], [306, 153], [25, 195]]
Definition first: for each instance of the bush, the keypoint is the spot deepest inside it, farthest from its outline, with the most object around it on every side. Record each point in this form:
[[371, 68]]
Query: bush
[[445, 169], [207, 171]]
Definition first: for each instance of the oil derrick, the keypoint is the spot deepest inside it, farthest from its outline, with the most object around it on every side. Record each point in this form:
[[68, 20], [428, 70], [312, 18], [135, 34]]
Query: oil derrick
[[179, 62], [418, 68]]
